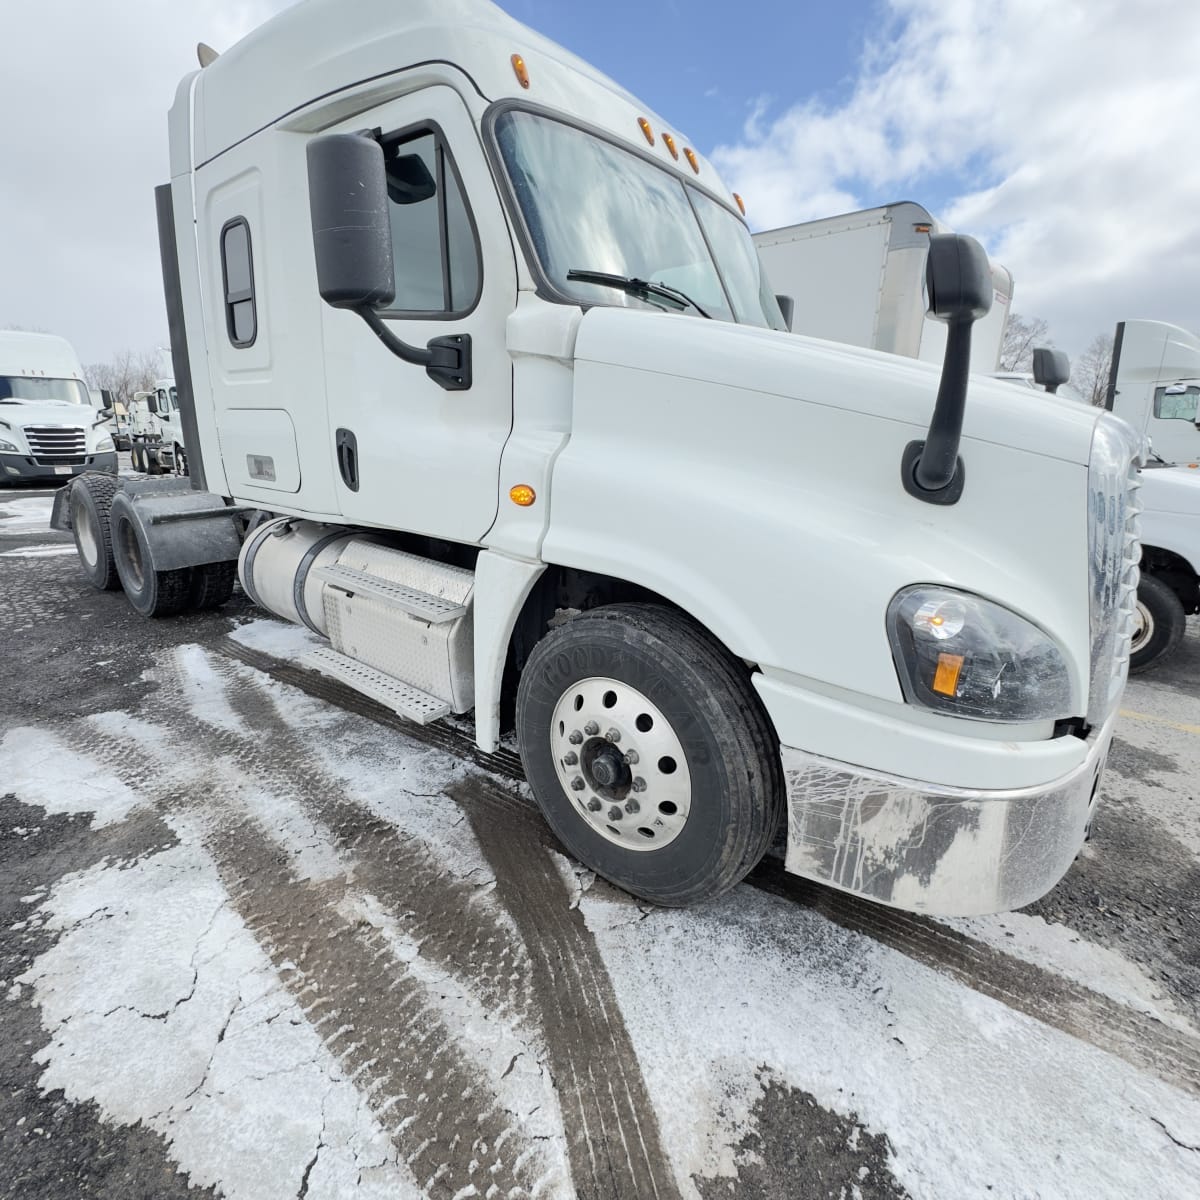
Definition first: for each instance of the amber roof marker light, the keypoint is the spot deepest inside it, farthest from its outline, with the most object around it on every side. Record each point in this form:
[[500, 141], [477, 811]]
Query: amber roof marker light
[[669, 142], [690, 155], [644, 125], [740, 203], [520, 70]]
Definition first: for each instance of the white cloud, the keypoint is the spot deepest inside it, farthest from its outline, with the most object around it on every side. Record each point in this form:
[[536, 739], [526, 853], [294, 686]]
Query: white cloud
[[1065, 134], [83, 127]]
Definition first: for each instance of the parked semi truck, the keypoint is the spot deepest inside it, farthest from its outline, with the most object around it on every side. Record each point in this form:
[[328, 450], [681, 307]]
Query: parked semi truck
[[490, 341], [1154, 384], [858, 278], [48, 427], [156, 431]]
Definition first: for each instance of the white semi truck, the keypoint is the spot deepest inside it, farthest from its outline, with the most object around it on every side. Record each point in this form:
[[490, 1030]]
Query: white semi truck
[[858, 278], [491, 342], [49, 430], [156, 431], [1154, 384]]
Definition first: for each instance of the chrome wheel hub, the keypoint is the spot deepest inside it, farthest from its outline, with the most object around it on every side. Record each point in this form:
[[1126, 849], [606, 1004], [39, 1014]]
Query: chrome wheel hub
[[621, 763], [89, 540], [1143, 628]]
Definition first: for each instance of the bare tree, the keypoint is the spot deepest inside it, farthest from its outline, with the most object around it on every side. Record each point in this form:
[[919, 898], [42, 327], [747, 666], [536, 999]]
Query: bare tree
[[1021, 336], [129, 371], [1089, 377]]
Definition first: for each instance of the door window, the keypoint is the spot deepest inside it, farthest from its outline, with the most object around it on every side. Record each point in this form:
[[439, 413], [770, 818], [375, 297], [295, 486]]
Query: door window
[[434, 248], [237, 269], [1176, 403]]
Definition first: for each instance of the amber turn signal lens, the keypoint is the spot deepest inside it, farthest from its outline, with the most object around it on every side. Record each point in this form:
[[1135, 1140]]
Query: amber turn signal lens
[[690, 155], [645, 127], [945, 678], [519, 69], [522, 494], [669, 142]]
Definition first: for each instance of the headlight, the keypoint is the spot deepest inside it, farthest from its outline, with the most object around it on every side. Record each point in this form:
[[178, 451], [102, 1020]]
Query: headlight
[[104, 442], [967, 657], [8, 447]]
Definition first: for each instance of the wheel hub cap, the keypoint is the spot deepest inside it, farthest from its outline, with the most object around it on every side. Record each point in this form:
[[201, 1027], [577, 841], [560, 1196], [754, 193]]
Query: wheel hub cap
[[621, 764]]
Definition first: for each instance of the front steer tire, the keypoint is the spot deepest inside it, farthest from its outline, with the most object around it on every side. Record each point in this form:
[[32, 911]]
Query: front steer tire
[[601, 670], [1161, 624], [151, 593], [90, 503]]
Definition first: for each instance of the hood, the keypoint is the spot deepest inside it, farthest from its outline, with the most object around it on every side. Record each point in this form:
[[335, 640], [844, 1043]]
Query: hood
[[1172, 490], [749, 360], [18, 413]]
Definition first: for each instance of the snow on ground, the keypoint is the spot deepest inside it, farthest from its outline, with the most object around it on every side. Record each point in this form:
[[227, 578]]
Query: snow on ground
[[50, 550], [42, 769], [280, 639], [163, 1007], [29, 514], [977, 1100], [1060, 949]]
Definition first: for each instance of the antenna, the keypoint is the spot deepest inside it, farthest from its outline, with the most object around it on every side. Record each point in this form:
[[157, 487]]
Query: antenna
[[206, 54]]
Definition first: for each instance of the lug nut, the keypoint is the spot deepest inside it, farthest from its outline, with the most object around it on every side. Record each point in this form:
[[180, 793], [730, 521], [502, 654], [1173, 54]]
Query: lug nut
[[639, 784], [575, 738], [577, 783], [593, 805], [613, 735], [591, 729], [632, 806], [571, 759], [614, 813], [631, 758]]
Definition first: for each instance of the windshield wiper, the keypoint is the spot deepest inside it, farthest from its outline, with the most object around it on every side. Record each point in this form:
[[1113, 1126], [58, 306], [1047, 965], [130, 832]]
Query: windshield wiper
[[641, 288]]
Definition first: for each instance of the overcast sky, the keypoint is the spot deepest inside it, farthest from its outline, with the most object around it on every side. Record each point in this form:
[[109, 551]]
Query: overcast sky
[[1063, 134]]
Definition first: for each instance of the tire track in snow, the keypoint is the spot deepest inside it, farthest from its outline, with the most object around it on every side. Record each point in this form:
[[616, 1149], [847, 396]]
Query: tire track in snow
[[1072, 1008], [612, 1134]]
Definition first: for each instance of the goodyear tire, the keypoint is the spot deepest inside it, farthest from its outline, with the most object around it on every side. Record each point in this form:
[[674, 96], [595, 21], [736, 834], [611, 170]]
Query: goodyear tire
[[90, 503], [152, 593], [1160, 626], [649, 752]]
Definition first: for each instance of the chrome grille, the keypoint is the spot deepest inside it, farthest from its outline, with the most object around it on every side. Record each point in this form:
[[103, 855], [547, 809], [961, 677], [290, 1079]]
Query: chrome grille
[[53, 445], [1113, 555]]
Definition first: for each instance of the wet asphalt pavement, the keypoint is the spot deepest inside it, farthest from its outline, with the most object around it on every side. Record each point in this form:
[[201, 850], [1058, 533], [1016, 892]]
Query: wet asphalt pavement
[[260, 938]]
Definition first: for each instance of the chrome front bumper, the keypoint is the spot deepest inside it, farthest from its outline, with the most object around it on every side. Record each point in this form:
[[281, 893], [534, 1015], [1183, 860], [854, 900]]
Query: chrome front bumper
[[927, 848]]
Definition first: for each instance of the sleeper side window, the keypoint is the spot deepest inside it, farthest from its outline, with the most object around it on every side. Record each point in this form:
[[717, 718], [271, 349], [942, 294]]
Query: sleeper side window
[[434, 246], [237, 271]]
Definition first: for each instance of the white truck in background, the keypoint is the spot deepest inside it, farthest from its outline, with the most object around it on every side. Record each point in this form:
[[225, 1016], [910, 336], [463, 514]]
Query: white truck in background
[[858, 278], [491, 341], [156, 431], [1154, 384], [49, 430]]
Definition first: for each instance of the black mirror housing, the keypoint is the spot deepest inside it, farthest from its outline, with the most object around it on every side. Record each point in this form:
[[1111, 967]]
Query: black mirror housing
[[1051, 368], [958, 278], [352, 232], [152, 404]]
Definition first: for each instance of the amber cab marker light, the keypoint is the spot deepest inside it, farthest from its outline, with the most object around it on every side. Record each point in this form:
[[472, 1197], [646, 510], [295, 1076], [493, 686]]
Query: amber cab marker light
[[645, 128], [520, 70], [945, 678], [922, 228], [740, 203], [669, 142], [522, 495], [690, 155]]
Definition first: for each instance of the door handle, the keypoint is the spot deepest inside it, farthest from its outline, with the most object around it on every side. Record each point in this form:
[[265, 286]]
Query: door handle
[[347, 457]]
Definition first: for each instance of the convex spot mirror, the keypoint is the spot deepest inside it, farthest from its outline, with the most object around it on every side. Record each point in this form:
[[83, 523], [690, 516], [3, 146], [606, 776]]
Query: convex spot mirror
[[352, 233], [958, 279], [1051, 368]]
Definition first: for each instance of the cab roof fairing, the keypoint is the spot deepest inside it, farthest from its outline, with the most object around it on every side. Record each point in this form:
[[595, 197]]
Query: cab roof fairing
[[320, 48]]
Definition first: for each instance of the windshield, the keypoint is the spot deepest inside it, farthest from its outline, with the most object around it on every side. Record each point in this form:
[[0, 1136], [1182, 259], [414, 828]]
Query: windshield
[[592, 206], [37, 387]]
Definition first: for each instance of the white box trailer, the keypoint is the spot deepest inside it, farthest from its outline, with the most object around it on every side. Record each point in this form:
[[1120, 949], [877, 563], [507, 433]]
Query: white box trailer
[[1154, 384], [858, 278], [492, 342], [49, 430]]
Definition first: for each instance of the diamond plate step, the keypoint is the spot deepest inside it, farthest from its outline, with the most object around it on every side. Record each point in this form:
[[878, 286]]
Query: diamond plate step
[[408, 701], [434, 609]]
